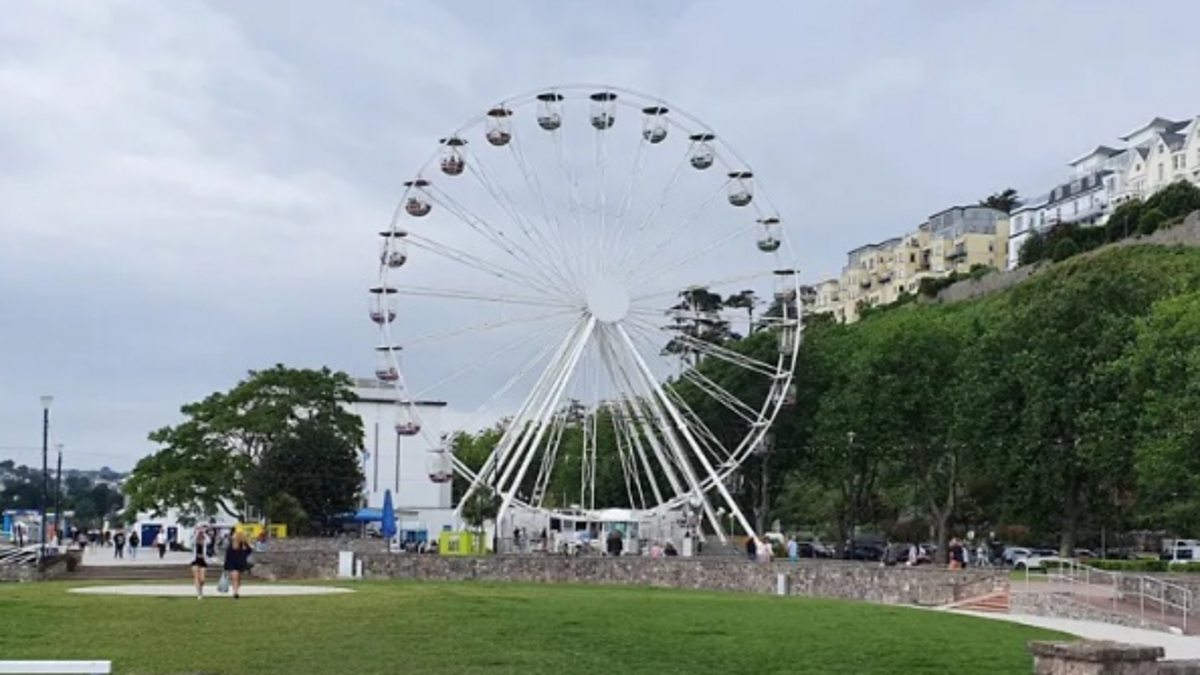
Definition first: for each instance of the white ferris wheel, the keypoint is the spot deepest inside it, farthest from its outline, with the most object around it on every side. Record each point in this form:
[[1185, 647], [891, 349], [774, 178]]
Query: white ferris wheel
[[564, 259]]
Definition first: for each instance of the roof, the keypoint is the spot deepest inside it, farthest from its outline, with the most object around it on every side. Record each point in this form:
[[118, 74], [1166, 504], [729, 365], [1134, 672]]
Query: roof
[[1031, 204], [1101, 150], [1173, 141], [1156, 122], [877, 245]]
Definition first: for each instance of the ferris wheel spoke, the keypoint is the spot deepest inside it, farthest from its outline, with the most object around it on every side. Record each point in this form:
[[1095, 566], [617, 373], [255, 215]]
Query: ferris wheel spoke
[[535, 236], [654, 250], [485, 326], [636, 407], [476, 263], [628, 468], [612, 247], [718, 244], [686, 431], [676, 173], [533, 182], [551, 402], [673, 291], [541, 268], [461, 294], [571, 181], [716, 351], [490, 357]]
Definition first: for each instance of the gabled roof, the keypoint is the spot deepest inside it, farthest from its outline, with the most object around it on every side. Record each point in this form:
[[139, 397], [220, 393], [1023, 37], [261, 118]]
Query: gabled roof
[[1173, 141], [1156, 122], [1101, 150]]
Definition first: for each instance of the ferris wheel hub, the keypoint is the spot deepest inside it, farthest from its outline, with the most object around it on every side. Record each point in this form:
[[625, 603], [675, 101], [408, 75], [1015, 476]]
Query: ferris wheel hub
[[607, 299]]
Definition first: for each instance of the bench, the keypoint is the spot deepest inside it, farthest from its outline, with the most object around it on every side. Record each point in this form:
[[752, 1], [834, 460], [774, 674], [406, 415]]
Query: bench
[[55, 667]]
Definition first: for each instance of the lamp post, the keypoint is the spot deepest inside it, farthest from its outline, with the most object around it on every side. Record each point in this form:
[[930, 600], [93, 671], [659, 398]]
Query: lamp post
[[46, 400], [853, 496], [58, 495]]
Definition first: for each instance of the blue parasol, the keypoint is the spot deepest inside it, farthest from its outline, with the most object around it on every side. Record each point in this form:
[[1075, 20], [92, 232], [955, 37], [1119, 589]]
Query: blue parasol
[[388, 526]]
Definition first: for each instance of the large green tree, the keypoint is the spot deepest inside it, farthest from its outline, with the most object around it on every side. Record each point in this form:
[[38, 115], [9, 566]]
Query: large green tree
[[210, 462]]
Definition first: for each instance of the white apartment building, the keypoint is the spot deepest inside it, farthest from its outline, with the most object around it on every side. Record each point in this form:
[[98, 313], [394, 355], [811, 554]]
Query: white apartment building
[[1155, 155]]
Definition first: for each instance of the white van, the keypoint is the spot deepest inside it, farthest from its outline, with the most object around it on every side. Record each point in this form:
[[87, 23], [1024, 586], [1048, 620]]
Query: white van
[[1181, 551]]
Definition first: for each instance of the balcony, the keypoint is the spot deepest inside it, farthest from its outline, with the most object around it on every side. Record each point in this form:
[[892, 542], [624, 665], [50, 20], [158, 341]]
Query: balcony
[[865, 283], [958, 253], [885, 277]]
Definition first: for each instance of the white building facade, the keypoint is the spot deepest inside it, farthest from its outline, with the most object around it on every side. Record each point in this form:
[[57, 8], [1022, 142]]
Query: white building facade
[[402, 463]]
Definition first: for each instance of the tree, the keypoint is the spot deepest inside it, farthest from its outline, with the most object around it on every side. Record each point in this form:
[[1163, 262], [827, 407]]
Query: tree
[[1006, 200], [1033, 249], [316, 468], [207, 462], [746, 300], [482, 506], [697, 320]]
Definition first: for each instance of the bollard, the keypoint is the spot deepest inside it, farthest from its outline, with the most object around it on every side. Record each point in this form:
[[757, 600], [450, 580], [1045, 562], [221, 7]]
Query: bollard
[[345, 564], [781, 584]]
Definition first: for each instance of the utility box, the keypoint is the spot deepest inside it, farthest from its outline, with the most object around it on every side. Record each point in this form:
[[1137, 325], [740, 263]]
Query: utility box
[[345, 564]]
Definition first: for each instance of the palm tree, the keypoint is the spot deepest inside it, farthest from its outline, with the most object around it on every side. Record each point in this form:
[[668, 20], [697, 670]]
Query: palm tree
[[744, 300]]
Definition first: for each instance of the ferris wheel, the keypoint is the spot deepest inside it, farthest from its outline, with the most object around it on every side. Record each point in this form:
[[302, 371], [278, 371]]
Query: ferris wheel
[[574, 265]]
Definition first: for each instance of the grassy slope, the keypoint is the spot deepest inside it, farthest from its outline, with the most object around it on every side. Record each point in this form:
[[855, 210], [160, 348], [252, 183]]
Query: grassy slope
[[410, 627]]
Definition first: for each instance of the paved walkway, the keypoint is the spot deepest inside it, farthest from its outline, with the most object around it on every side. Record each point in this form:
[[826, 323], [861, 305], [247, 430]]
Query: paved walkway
[[1176, 646], [99, 556], [210, 590]]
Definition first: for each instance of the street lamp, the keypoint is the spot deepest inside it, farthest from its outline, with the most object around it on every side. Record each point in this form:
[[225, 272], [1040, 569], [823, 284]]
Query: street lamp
[[46, 400], [58, 495]]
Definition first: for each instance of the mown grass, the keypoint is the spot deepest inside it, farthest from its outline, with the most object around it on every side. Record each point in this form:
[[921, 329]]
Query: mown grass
[[390, 627]]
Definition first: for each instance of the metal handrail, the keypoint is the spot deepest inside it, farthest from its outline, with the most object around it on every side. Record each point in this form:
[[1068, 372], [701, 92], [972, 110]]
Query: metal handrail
[[1176, 597]]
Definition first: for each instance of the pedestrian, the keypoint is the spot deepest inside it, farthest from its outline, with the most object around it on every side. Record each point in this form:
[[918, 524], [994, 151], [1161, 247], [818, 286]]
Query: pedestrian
[[19, 529], [615, 544], [118, 541], [656, 551], [751, 549], [81, 539], [199, 564], [237, 561], [211, 539], [793, 549], [134, 542], [669, 550], [955, 554], [763, 550], [913, 557], [160, 542]]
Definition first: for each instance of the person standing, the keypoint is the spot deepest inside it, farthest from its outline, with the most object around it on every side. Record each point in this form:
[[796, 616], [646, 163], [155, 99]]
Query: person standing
[[615, 543], [751, 549], [199, 564], [118, 541], [134, 542], [19, 531], [237, 560], [160, 542]]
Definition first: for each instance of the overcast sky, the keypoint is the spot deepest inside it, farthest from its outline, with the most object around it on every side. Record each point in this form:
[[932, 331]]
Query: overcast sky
[[189, 190]]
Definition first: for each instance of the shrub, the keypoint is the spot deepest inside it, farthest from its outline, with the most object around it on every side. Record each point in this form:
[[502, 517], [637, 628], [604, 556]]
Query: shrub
[[1123, 221], [1146, 565], [1177, 199], [1033, 250], [1064, 249], [1150, 220]]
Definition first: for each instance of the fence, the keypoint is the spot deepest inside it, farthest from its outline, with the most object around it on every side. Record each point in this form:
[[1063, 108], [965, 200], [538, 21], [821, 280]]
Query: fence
[[1138, 594]]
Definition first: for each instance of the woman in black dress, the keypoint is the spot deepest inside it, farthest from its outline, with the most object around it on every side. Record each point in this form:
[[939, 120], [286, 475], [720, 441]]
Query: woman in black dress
[[199, 564], [237, 560]]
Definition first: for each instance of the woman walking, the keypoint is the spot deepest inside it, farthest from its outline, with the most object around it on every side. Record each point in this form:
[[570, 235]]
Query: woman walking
[[199, 564], [237, 560]]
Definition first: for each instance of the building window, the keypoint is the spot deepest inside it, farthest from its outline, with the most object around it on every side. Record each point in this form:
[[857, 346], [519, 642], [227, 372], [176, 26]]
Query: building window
[[1076, 204], [1160, 171]]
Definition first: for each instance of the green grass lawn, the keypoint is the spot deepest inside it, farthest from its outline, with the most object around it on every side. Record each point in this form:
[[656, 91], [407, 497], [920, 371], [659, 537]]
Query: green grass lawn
[[405, 627]]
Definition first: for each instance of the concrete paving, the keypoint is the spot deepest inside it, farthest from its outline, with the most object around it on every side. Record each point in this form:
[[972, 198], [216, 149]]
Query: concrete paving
[[210, 590], [100, 556], [1176, 646]]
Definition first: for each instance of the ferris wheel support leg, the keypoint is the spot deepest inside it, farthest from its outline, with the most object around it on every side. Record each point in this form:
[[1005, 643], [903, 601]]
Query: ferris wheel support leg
[[495, 461], [560, 387], [672, 440], [686, 432]]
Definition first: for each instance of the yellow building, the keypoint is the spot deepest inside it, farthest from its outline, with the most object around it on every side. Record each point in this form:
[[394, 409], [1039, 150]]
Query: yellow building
[[954, 240]]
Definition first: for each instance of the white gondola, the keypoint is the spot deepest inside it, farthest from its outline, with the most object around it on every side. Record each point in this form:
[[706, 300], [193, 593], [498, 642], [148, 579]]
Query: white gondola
[[439, 465], [604, 109], [741, 187], [549, 116], [416, 202], [785, 287], [382, 305], [788, 334], [386, 369], [453, 162], [654, 124], [406, 421], [771, 236], [395, 248], [703, 153], [499, 126]]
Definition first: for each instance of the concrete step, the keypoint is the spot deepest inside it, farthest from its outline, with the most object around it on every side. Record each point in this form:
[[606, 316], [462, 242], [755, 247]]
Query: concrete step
[[992, 603]]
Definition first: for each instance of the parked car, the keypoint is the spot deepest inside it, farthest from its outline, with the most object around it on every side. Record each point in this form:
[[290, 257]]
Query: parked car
[[1012, 553], [1180, 551], [813, 549], [1040, 559]]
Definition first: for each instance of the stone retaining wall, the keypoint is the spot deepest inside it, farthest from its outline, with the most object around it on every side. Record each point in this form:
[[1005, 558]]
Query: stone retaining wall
[[1065, 606], [24, 573], [829, 579], [1098, 657]]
